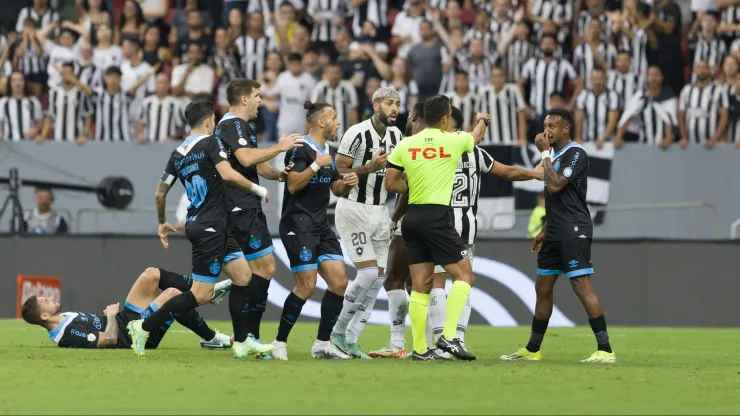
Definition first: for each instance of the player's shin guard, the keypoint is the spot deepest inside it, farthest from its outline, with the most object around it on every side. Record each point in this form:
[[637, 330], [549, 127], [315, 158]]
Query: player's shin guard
[[291, 311], [178, 281], [437, 307], [354, 296], [239, 308], [177, 305], [331, 306], [462, 325], [194, 322], [418, 310], [357, 325], [456, 300], [538, 334], [598, 325], [398, 305], [258, 288]]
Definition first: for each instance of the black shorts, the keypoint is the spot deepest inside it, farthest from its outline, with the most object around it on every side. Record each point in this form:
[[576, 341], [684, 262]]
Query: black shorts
[[571, 256], [430, 235], [306, 250], [211, 249], [249, 228], [133, 313]]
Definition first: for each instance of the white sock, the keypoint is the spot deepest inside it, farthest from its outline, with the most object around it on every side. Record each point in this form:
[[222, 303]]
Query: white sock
[[437, 310], [398, 306], [357, 325], [462, 324], [354, 295]]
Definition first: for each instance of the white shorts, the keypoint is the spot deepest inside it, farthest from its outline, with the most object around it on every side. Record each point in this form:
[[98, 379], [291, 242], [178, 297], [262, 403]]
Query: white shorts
[[365, 230], [471, 250]]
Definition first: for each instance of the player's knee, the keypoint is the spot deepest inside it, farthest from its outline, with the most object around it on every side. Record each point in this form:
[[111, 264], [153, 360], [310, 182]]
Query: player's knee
[[150, 275], [202, 293], [338, 285], [170, 293], [440, 280], [265, 270], [304, 288], [581, 286], [543, 289]]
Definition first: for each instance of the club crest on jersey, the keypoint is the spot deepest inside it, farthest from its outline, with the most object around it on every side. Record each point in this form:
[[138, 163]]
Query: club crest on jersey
[[215, 267], [359, 251], [567, 172], [306, 255], [243, 141], [556, 165], [255, 243]]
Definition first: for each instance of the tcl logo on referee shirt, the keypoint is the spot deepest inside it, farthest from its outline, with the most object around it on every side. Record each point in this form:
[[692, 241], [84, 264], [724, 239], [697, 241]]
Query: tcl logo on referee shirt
[[429, 153]]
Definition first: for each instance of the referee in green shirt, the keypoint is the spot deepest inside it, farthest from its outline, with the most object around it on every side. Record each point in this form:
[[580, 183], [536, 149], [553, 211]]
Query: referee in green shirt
[[430, 159]]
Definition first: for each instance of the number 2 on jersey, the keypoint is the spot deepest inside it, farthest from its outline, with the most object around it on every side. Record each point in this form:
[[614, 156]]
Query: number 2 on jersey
[[196, 188], [461, 190]]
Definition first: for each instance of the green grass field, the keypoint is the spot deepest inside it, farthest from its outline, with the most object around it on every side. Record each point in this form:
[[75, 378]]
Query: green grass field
[[660, 371]]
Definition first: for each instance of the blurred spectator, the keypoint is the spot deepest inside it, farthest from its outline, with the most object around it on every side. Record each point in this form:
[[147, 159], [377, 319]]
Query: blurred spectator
[[425, 62], [559, 12], [154, 10], [621, 80], [254, 46], [371, 85], [21, 114], [181, 17], [398, 77], [131, 25], [284, 24], [638, 36], [515, 48], [502, 20], [703, 109], [29, 57], [136, 75], [68, 10], [111, 104], [504, 103], [593, 52], [70, 110], [310, 63], [106, 54], [734, 124], [270, 95], [730, 68], [228, 65], [462, 98], [85, 69], [537, 218], [358, 66], [376, 11], [161, 117], [666, 21], [294, 87], [709, 46], [43, 219], [341, 94], [481, 30], [194, 77], [729, 27], [195, 33], [597, 111], [594, 11], [40, 12], [406, 27], [94, 13], [151, 45], [236, 26], [64, 50], [328, 19], [479, 64]]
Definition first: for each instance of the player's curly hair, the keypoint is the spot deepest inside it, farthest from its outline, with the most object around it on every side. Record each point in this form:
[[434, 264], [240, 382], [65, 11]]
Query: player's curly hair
[[314, 110], [30, 311]]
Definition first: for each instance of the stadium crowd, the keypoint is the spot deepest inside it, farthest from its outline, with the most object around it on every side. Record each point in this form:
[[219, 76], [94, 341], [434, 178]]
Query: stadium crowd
[[111, 70]]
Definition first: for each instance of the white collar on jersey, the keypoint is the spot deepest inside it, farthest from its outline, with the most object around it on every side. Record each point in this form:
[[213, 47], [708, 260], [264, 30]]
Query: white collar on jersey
[[227, 116], [57, 333], [568, 146], [315, 146], [189, 143]]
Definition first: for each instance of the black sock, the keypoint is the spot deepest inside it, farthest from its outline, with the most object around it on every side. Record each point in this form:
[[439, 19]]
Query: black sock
[[258, 287], [331, 307], [538, 334], [598, 325], [238, 308], [291, 311], [178, 305], [178, 281], [193, 321]]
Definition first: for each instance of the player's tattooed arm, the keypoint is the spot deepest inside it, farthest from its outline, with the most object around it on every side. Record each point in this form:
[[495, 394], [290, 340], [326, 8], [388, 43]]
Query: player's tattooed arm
[[109, 338], [555, 183], [160, 201]]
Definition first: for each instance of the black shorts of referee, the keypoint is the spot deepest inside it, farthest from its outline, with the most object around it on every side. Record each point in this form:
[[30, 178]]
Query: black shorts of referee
[[430, 235]]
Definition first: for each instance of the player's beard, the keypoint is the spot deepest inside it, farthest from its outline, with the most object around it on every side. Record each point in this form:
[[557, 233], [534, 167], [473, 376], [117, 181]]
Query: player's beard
[[384, 118], [330, 135]]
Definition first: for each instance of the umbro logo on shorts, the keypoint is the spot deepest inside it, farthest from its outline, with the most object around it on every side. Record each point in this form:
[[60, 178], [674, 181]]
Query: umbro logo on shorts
[[465, 254]]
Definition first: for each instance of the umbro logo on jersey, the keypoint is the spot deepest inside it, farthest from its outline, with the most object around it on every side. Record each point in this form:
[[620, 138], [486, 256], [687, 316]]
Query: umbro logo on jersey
[[290, 233]]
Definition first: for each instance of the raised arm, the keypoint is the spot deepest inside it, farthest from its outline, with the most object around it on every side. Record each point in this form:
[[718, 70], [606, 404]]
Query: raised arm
[[554, 181], [515, 173]]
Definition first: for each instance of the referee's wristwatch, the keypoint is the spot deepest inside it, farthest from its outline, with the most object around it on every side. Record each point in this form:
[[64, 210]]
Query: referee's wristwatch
[[484, 121]]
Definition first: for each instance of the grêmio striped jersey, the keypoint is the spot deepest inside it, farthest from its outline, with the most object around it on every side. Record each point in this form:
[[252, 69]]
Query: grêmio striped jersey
[[466, 189]]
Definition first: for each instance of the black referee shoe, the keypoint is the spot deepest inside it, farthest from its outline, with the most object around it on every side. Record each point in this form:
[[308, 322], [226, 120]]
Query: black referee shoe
[[455, 348], [430, 355]]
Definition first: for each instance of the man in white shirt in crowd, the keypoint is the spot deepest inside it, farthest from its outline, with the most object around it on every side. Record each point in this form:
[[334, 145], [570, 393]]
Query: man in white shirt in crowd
[[134, 71], [193, 78], [294, 87], [405, 30], [59, 52]]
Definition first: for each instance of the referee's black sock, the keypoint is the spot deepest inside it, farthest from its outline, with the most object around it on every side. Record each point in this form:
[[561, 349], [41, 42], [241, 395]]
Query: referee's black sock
[[178, 281], [538, 334], [331, 307], [238, 308], [258, 287], [176, 306], [193, 321], [598, 325], [291, 311]]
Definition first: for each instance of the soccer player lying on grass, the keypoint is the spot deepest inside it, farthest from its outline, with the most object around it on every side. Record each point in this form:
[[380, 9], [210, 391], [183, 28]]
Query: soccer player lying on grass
[[92, 330]]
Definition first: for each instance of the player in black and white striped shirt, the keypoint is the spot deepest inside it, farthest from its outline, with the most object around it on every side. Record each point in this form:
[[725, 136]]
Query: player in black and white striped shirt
[[362, 218], [597, 111], [504, 102], [621, 80], [70, 109], [340, 94], [464, 99], [112, 109], [464, 202], [545, 75], [20, 114], [162, 117], [323, 13], [703, 109], [593, 52]]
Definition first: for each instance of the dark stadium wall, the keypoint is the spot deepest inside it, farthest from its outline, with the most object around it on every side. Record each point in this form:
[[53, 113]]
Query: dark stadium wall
[[640, 282]]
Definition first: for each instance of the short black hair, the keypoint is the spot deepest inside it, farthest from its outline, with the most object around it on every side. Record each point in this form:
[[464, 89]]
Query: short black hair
[[459, 71], [644, 9], [293, 57], [457, 117], [197, 112], [548, 36], [240, 87], [30, 22], [113, 70], [435, 109], [133, 41], [314, 109], [30, 311], [193, 11], [598, 68], [68, 64], [196, 43], [419, 109], [287, 3], [557, 94], [624, 52], [562, 113]]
